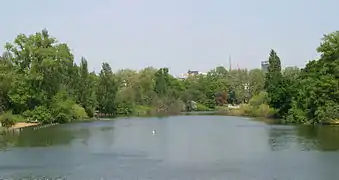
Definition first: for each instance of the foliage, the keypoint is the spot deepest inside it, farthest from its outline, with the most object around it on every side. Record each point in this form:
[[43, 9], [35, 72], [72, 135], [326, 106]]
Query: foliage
[[256, 82], [107, 90], [221, 98], [257, 100], [316, 97], [201, 107], [79, 112], [40, 80], [42, 114], [274, 81], [309, 95], [8, 119], [142, 110], [256, 107], [167, 105]]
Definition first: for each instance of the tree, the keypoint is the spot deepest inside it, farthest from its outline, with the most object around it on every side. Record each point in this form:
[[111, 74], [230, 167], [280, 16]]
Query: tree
[[256, 82], [291, 72], [107, 90], [161, 81], [39, 80], [86, 92], [39, 70], [276, 86], [6, 75], [317, 97], [146, 85]]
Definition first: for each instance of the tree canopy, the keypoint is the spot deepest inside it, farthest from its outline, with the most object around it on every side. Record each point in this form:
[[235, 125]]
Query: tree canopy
[[39, 80]]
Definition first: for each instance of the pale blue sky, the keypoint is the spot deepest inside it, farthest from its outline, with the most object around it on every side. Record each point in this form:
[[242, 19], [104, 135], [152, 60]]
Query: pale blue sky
[[179, 34]]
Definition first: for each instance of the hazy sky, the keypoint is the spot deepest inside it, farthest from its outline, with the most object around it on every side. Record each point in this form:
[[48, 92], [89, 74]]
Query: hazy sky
[[179, 34]]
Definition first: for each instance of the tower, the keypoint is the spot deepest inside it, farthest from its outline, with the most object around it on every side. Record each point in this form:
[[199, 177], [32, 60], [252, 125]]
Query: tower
[[230, 64], [264, 66]]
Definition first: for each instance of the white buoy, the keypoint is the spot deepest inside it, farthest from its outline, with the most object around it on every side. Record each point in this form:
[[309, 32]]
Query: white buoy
[[153, 132]]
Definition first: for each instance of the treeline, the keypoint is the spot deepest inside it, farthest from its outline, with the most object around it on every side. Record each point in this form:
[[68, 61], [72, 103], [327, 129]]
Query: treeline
[[301, 96], [39, 80]]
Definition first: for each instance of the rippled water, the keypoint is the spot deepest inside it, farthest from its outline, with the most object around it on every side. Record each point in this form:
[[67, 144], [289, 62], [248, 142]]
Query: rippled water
[[183, 148]]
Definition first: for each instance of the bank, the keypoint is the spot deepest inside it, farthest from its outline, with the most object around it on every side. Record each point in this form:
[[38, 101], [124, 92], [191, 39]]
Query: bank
[[262, 113], [19, 125]]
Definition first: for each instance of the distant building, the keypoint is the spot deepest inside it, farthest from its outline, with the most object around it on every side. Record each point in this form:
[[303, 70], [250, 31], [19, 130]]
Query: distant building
[[264, 66], [192, 73]]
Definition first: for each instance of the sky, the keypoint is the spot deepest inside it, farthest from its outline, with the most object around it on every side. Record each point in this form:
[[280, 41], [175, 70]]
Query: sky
[[179, 34]]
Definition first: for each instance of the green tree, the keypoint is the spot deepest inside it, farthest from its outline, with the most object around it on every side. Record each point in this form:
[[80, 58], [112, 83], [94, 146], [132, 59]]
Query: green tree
[[40, 70], [6, 77], [317, 97], [107, 90], [256, 82], [86, 92], [161, 82], [276, 86]]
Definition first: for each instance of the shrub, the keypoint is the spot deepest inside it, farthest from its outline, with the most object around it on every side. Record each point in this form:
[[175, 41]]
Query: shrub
[[64, 109], [125, 108], [142, 110], [221, 109], [89, 111], [63, 118], [201, 107], [259, 99], [42, 114], [167, 106], [78, 112], [8, 119], [263, 110], [295, 115]]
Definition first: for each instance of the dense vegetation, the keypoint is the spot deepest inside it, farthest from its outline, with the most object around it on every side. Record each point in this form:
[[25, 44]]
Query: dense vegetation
[[39, 80]]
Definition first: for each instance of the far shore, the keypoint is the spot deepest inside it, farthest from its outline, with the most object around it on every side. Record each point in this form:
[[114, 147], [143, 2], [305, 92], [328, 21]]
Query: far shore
[[23, 124], [18, 126]]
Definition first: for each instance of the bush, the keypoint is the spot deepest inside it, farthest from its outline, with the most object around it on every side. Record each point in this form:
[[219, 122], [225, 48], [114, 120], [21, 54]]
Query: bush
[[221, 109], [295, 115], [65, 109], [8, 119], [41, 114], [125, 108], [201, 107], [63, 118], [259, 99], [263, 110], [142, 110], [89, 111], [167, 106], [78, 112]]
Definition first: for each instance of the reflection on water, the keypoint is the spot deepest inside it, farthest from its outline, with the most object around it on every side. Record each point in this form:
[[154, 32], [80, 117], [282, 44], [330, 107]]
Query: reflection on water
[[29, 137], [306, 137], [281, 137], [184, 147], [323, 138]]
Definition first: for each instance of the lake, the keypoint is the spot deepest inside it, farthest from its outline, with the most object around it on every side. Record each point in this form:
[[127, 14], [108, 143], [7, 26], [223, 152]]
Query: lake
[[183, 148]]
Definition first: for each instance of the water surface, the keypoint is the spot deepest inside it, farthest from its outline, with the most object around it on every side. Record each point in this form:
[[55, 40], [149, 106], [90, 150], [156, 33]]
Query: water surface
[[183, 148]]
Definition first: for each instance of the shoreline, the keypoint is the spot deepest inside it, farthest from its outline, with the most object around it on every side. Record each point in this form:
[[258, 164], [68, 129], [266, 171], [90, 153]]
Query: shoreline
[[23, 124], [20, 125]]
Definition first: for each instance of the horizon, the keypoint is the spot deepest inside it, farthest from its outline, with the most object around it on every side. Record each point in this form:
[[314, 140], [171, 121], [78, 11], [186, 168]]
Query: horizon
[[200, 35]]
